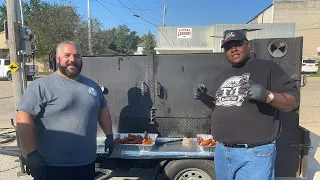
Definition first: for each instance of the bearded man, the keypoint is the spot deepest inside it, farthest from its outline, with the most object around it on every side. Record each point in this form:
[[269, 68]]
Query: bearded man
[[57, 120]]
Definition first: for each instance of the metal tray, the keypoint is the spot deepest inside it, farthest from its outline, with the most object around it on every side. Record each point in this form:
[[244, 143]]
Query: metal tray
[[205, 148], [131, 147]]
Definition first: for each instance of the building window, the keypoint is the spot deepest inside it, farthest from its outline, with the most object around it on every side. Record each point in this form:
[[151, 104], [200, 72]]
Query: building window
[[7, 62]]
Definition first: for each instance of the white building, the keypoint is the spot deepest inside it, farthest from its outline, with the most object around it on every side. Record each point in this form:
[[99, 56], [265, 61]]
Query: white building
[[140, 48], [208, 39]]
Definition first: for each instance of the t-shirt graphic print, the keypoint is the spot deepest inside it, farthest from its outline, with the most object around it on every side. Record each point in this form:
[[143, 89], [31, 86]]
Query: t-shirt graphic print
[[230, 92]]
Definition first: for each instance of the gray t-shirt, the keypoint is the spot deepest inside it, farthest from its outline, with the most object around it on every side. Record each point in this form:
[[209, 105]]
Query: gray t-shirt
[[67, 114]]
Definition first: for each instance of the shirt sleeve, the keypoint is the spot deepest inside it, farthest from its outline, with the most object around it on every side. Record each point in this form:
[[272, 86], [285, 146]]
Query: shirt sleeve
[[282, 83], [102, 99], [31, 101]]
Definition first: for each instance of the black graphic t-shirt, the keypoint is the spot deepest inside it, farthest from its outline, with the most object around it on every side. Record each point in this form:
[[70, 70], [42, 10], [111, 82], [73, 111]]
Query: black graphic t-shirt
[[236, 119]]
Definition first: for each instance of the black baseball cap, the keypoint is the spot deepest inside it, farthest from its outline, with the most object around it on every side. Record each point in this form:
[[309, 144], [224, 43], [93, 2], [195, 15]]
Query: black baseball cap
[[233, 35]]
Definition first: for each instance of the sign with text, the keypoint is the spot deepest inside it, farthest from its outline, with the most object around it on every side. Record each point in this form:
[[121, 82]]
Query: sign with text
[[184, 32]]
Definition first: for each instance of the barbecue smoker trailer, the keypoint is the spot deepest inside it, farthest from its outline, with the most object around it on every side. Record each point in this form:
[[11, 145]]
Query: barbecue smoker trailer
[[154, 93]]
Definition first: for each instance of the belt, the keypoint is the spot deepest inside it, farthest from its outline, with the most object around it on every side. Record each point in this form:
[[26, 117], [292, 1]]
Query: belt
[[244, 145]]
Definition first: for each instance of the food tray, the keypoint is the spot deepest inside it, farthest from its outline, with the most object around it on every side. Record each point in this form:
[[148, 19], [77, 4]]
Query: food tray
[[131, 147], [205, 148]]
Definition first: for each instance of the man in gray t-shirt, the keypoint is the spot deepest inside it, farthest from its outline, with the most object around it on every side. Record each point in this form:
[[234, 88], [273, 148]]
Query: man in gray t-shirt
[[57, 120]]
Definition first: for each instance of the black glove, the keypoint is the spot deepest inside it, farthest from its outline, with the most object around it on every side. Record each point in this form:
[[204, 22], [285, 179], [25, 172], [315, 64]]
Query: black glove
[[34, 161], [200, 91], [109, 144], [256, 91]]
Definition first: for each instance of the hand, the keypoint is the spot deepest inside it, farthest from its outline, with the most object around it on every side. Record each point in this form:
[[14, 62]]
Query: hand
[[34, 160], [256, 91], [200, 91], [109, 144]]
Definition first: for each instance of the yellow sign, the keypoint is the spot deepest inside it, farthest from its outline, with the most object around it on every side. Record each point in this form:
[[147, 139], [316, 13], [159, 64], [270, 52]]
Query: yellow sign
[[13, 67]]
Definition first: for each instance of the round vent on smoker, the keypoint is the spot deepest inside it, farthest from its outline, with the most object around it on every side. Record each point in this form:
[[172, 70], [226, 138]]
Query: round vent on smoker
[[278, 48]]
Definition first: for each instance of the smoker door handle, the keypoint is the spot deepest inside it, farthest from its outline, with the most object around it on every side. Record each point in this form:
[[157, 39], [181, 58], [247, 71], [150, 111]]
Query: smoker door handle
[[143, 88]]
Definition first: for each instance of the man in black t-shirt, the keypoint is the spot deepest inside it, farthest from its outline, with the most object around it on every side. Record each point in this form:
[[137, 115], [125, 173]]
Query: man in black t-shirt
[[245, 123]]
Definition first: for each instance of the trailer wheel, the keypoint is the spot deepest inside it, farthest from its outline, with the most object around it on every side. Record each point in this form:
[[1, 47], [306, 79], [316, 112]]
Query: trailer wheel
[[189, 169]]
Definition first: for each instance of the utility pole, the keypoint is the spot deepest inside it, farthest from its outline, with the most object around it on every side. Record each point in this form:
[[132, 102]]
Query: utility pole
[[89, 28], [164, 15], [14, 47], [13, 15]]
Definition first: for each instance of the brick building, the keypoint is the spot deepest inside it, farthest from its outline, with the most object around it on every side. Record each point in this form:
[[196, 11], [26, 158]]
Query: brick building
[[306, 16]]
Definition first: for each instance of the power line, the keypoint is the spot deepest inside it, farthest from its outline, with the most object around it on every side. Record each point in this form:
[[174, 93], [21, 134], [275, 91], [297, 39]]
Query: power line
[[135, 14], [114, 14], [156, 20], [130, 7], [144, 12]]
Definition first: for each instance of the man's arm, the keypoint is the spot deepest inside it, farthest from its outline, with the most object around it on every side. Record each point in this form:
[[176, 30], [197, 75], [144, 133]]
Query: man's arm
[[284, 102], [25, 130], [105, 120]]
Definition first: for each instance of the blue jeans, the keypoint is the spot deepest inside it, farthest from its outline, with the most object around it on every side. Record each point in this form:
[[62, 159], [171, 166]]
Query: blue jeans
[[245, 163]]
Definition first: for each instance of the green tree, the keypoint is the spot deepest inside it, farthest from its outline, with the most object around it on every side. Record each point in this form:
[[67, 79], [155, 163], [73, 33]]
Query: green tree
[[51, 24], [150, 44], [3, 16]]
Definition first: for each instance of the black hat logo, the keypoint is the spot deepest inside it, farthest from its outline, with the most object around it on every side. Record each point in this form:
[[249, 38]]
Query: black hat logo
[[278, 48]]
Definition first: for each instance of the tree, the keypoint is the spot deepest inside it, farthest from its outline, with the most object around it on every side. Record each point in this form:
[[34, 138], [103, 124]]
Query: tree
[[81, 35], [3, 16], [150, 44], [121, 39], [52, 23]]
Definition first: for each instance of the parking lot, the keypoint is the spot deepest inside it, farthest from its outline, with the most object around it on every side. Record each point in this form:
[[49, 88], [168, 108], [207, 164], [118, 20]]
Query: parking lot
[[309, 118]]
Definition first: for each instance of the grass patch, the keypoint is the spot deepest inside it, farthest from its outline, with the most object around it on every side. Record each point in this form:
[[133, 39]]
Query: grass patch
[[44, 73], [315, 75]]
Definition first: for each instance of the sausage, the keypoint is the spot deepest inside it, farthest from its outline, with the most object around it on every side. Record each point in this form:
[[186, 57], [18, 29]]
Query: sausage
[[200, 140], [117, 140], [132, 137], [149, 141], [125, 140], [140, 139], [206, 142], [135, 141], [213, 143]]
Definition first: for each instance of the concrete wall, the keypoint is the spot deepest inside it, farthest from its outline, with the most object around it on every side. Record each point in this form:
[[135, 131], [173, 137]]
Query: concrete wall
[[306, 15]]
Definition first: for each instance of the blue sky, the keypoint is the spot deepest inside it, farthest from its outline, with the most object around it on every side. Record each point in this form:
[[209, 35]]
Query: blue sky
[[179, 12]]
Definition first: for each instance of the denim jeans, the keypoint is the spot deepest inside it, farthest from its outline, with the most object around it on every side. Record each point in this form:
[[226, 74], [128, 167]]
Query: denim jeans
[[245, 163]]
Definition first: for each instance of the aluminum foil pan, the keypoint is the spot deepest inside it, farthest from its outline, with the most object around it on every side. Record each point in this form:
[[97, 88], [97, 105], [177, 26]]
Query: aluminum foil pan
[[131, 147], [205, 148]]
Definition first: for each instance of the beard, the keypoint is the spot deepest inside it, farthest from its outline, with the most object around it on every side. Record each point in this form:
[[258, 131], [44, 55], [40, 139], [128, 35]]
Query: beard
[[71, 74]]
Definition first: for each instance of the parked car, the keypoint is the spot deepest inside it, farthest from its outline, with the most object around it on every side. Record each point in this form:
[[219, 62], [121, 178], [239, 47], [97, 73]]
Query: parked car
[[30, 70], [309, 66]]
